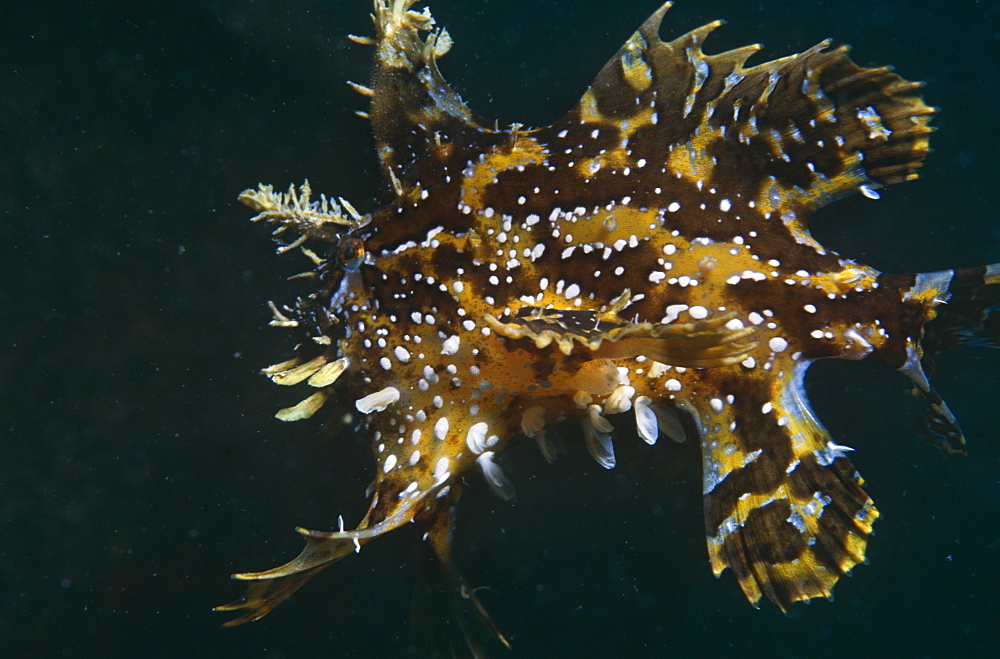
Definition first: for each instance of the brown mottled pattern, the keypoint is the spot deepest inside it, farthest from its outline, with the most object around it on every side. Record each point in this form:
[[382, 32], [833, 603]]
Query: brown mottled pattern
[[648, 253]]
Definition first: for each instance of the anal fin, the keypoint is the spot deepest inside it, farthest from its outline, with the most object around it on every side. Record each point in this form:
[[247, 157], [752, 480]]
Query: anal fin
[[784, 509]]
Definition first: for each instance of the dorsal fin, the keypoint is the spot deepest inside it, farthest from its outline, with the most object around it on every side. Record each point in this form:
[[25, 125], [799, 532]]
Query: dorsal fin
[[791, 134], [413, 108]]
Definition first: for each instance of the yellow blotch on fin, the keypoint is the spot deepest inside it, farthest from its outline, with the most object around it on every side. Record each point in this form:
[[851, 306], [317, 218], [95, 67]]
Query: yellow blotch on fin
[[635, 69]]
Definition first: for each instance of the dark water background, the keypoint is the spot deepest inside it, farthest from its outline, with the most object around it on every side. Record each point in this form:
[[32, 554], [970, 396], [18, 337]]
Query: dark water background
[[139, 459]]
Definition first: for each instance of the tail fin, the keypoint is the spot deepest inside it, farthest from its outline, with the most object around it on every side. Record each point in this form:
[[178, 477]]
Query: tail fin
[[972, 313], [966, 303]]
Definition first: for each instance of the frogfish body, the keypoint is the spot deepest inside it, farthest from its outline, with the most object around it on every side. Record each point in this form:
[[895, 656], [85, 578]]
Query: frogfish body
[[647, 254]]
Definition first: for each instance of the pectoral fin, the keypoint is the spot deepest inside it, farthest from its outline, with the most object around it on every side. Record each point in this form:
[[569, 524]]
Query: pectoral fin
[[701, 344], [270, 588]]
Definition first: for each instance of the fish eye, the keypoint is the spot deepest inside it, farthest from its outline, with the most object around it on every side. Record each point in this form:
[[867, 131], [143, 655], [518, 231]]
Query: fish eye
[[350, 253]]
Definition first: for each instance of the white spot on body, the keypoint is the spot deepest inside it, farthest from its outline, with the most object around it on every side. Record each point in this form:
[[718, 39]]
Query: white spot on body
[[450, 345], [673, 310], [441, 473], [475, 439]]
